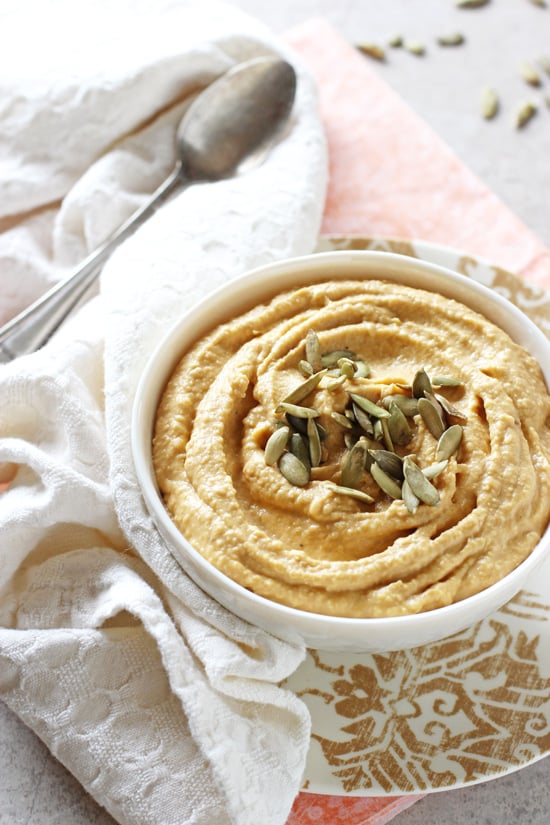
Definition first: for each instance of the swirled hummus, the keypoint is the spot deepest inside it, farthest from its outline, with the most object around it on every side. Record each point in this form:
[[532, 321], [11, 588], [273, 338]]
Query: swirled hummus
[[363, 548]]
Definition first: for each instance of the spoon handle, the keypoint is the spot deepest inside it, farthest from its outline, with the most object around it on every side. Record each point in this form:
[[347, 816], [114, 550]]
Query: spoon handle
[[30, 330]]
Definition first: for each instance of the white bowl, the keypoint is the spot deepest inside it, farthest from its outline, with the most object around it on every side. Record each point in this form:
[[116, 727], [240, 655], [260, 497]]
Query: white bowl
[[320, 631]]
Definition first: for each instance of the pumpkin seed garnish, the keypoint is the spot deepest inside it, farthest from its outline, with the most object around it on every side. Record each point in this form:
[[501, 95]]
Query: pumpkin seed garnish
[[386, 435], [396, 41], [449, 408], [343, 420], [471, 4], [354, 465], [524, 114], [369, 406], [330, 359], [298, 446], [407, 405], [540, 3], [334, 384], [529, 74], [419, 484], [433, 470], [314, 443], [386, 483], [398, 426], [415, 47], [453, 39], [391, 463], [303, 390], [351, 492], [449, 442], [313, 350], [362, 369], [409, 499], [446, 381], [489, 103], [293, 470], [362, 419], [305, 368], [276, 445], [421, 384], [431, 417], [347, 367], [297, 411]]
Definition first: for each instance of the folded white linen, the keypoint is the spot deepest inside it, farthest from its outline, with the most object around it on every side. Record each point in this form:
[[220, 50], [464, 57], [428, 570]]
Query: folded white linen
[[165, 706]]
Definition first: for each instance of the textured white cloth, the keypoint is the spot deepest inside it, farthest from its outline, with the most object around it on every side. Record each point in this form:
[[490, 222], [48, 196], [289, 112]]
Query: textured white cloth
[[166, 707]]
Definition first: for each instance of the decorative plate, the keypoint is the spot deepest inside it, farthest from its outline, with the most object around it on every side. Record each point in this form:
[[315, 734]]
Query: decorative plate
[[472, 707]]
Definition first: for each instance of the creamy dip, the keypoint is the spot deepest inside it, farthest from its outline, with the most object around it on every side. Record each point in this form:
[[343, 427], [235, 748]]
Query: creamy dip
[[311, 545]]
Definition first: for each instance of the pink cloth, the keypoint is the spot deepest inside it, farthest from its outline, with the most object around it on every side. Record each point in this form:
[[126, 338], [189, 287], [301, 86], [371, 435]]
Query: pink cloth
[[392, 176]]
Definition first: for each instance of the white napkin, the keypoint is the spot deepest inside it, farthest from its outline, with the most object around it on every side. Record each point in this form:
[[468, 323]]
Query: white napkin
[[166, 707]]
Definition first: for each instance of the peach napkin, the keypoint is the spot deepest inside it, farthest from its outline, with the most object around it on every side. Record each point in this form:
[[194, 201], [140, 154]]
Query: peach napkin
[[392, 176]]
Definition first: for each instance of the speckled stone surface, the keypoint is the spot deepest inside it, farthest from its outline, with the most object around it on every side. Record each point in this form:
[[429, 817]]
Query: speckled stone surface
[[444, 87]]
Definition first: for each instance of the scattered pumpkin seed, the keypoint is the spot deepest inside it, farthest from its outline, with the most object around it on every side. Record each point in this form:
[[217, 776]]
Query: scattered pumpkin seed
[[449, 442], [369, 406], [372, 50], [431, 417], [398, 426], [305, 368], [351, 492], [314, 443], [524, 114], [378, 432], [529, 74], [362, 369], [313, 350], [297, 411], [433, 470], [452, 39], [471, 4], [347, 367], [298, 425], [386, 435], [298, 446], [293, 470], [303, 390], [419, 484], [407, 405], [396, 41], [489, 103], [446, 381], [276, 445], [330, 359], [540, 3], [362, 419], [421, 384], [415, 47], [335, 383], [354, 465], [409, 499], [449, 408], [390, 462], [343, 420], [386, 483]]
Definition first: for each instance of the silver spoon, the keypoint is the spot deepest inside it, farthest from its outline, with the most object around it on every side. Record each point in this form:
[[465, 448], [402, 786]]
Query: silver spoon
[[226, 130]]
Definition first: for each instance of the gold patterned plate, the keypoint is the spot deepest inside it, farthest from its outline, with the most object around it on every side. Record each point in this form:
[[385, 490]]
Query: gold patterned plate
[[472, 707]]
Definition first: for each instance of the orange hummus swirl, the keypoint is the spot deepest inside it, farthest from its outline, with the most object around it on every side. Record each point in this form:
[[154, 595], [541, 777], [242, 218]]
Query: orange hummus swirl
[[308, 547]]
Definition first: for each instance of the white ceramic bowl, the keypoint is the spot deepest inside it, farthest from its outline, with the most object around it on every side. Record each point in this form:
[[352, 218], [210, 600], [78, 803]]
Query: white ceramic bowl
[[318, 631]]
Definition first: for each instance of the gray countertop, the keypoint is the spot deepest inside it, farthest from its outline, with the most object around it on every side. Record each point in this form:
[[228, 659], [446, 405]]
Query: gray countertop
[[444, 87]]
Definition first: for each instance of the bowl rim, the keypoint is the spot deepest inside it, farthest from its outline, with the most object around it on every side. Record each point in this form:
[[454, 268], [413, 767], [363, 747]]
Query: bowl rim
[[301, 265]]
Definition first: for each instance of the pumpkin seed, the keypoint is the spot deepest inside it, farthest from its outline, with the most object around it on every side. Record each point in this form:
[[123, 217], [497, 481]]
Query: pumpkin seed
[[362, 419], [415, 47], [297, 411], [407, 405], [276, 445], [435, 469], [313, 350], [449, 408], [398, 426], [396, 41], [446, 381], [372, 50], [524, 114], [471, 4], [453, 39], [303, 390], [529, 74], [351, 492], [421, 384], [343, 420], [431, 417], [305, 367], [298, 446], [378, 432], [386, 483], [362, 369], [386, 435], [314, 443], [449, 442], [409, 499], [391, 463], [369, 406], [489, 103], [354, 465], [419, 484], [293, 470], [330, 359], [540, 3], [347, 367], [298, 425], [333, 385]]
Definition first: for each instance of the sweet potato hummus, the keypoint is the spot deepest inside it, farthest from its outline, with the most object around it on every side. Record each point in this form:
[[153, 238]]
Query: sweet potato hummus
[[357, 449]]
